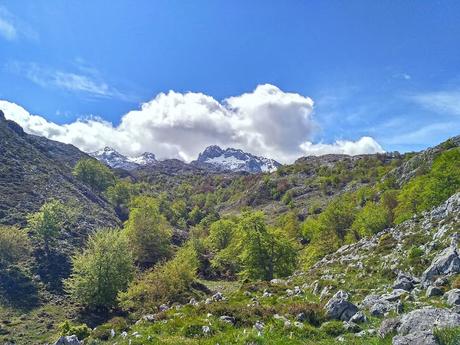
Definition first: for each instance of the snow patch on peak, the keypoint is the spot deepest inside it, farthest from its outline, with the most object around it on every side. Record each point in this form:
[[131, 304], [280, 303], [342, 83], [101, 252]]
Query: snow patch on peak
[[114, 159], [232, 159]]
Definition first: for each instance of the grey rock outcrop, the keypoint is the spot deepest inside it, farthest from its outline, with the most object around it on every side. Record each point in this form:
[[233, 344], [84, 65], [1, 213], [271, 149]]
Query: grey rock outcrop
[[68, 340], [339, 308], [389, 326], [227, 319], [453, 297], [404, 282], [433, 291], [427, 319], [416, 327], [417, 338], [447, 262]]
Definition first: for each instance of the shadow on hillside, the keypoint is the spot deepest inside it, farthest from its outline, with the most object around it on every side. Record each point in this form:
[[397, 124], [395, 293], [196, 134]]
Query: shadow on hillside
[[53, 268], [17, 289]]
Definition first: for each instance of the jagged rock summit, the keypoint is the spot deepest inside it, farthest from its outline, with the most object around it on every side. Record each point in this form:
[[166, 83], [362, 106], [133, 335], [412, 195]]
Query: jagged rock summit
[[213, 158], [232, 159], [115, 159]]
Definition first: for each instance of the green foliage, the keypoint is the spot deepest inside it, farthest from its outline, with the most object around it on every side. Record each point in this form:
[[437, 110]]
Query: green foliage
[[119, 195], [289, 225], [93, 173], [372, 218], [103, 332], [14, 245], [221, 234], [414, 255], [313, 313], [333, 328], [148, 232], [327, 231], [103, 269], [428, 190], [81, 331], [265, 253], [170, 281], [447, 336], [47, 223]]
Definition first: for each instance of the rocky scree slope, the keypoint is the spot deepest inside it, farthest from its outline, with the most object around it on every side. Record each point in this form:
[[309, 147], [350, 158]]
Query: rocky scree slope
[[404, 275], [35, 169]]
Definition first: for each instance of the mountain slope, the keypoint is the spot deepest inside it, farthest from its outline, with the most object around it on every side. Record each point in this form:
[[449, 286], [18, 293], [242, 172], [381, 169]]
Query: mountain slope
[[34, 170], [232, 159]]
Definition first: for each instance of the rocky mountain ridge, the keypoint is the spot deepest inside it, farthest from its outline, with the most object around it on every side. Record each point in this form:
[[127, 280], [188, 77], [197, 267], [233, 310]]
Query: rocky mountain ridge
[[116, 160], [232, 159], [213, 159]]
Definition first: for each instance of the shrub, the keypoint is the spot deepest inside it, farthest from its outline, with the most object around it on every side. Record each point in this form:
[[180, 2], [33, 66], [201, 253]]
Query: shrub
[[14, 245], [93, 173], [170, 281], [47, 223], [103, 332], [333, 328], [414, 255], [313, 312], [244, 315], [81, 331], [103, 269]]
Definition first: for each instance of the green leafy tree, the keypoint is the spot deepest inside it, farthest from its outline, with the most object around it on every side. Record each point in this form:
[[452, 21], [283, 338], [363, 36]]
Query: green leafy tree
[[119, 196], [265, 253], [221, 234], [14, 245], [170, 281], [149, 234], [47, 223], [103, 269], [93, 173]]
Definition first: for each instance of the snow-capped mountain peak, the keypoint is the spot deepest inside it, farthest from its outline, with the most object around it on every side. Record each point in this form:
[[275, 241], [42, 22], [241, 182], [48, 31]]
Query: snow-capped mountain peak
[[236, 160], [114, 159], [147, 158]]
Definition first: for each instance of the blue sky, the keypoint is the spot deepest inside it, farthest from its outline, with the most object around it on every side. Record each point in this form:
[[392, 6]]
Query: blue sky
[[384, 69]]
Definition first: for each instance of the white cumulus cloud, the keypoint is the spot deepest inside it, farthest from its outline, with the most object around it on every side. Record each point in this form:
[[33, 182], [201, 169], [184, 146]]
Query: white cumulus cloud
[[266, 121], [362, 146]]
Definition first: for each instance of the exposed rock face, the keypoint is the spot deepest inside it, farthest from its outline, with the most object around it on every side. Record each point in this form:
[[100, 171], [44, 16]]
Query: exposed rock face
[[68, 340], [417, 338], [404, 282], [389, 326], [418, 324], [378, 305], [433, 291], [453, 297], [447, 262], [232, 159], [339, 308]]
